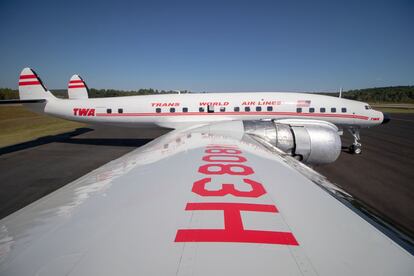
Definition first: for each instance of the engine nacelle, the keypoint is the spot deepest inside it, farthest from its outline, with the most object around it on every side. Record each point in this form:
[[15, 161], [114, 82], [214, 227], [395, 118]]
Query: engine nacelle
[[312, 142]]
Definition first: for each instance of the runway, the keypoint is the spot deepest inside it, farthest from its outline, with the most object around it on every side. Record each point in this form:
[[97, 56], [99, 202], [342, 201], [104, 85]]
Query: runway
[[31, 170], [382, 177]]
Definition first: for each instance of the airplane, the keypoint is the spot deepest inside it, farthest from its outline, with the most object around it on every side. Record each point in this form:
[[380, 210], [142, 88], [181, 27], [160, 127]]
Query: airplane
[[304, 115], [219, 194]]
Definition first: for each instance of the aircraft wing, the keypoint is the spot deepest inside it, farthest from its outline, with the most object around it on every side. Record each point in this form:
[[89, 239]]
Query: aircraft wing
[[201, 201]]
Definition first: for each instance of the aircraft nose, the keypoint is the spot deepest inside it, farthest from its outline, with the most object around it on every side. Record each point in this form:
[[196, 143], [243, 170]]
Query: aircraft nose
[[386, 118]]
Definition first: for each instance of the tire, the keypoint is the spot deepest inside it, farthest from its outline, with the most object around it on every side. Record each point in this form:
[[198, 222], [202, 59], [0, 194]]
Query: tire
[[355, 149]]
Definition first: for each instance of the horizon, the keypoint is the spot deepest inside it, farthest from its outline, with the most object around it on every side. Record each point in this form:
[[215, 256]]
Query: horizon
[[215, 46], [200, 92]]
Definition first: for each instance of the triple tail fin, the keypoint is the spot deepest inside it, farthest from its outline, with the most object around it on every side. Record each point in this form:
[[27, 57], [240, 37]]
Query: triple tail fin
[[31, 87], [77, 88]]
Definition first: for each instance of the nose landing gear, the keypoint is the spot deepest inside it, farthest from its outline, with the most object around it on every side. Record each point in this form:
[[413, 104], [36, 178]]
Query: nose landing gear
[[356, 147]]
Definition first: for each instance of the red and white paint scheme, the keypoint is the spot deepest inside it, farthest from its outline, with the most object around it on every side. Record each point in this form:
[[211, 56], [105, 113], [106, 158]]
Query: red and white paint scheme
[[177, 111], [222, 194], [77, 88]]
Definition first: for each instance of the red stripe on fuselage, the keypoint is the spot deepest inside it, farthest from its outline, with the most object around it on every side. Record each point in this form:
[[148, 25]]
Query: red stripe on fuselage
[[349, 116]]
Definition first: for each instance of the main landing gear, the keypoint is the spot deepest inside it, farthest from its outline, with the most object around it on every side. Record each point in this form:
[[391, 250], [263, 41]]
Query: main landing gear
[[356, 147]]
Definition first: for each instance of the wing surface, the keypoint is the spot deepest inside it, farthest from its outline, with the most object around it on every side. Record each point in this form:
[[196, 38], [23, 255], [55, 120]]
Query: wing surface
[[202, 201]]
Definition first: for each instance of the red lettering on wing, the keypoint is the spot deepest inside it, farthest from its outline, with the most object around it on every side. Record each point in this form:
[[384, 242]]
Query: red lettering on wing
[[234, 230], [257, 189], [233, 226], [224, 158], [231, 169]]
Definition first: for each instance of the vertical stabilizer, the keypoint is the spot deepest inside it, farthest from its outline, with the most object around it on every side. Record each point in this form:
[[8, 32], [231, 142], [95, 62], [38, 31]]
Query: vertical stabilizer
[[77, 88], [31, 86]]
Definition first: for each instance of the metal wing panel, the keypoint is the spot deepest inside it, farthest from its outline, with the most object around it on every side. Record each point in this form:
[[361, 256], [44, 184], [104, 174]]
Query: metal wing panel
[[124, 218]]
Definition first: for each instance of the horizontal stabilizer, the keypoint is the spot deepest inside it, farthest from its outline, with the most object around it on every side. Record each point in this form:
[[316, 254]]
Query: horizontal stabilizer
[[17, 101]]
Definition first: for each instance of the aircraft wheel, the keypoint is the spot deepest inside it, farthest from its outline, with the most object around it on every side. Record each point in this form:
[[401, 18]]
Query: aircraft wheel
[[355, 149]]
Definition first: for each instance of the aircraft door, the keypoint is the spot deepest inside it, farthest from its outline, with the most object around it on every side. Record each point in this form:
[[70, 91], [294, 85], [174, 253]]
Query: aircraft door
[[210, 109]]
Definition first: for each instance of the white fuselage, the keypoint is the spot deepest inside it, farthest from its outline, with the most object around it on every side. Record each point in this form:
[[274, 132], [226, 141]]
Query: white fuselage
[[180, 110]]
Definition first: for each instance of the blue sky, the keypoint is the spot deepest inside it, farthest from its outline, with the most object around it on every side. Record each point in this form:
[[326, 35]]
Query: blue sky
[[210, 45]]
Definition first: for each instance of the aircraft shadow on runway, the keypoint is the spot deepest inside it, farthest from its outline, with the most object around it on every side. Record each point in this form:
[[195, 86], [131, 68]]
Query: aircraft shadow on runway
[[117, 142], [68, 137], [44, 140]]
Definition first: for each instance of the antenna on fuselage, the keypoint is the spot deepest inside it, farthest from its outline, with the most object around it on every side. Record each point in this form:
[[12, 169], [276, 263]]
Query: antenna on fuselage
[[340, 92], [178, 91]]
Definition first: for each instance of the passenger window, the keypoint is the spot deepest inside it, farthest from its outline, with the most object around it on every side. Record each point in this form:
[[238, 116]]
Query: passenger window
[[120, 110], [299, 110], [222, 109], [323, 109], [343, 109], [236, 109], [270, 108], [333, 109], [247, 108], [311, 110], [109, 111], [258, 108], [172, 109], [201, 109], [185, 109], [158, 110]]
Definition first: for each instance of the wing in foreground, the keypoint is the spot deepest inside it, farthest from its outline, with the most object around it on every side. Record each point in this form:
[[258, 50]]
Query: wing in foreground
[[202, 202]]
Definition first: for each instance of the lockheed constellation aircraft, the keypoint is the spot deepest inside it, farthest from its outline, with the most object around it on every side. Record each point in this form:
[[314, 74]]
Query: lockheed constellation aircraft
[[221, 194], [305, 125]]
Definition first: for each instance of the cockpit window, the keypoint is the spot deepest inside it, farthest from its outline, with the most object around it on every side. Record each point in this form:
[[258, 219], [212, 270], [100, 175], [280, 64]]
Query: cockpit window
[[368, 107]]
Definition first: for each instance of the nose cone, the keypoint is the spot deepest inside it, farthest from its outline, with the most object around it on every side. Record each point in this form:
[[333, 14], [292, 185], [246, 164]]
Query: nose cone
[[386, 118]]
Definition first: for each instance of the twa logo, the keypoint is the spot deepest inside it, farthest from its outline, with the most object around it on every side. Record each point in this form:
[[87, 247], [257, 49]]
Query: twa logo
[[84, 111]]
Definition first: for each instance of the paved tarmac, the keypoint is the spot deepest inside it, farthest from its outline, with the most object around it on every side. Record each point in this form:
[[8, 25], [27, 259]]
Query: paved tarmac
[[31, 170], [382, 177]]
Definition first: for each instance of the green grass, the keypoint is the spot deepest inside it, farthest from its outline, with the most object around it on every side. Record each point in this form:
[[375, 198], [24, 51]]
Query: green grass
[[18, 125]]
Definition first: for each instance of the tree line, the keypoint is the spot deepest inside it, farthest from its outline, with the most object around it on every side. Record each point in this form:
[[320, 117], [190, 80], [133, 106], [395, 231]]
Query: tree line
[[392, 94], [9, 94]]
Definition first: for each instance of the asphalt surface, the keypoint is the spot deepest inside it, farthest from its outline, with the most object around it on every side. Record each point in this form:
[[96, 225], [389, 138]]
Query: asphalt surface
[[382, 177], [31, 170]]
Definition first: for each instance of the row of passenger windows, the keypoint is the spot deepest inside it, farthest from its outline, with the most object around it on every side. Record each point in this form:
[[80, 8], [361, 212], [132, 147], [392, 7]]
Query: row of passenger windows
[[258, 108], [109, 110], [321, 110]]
